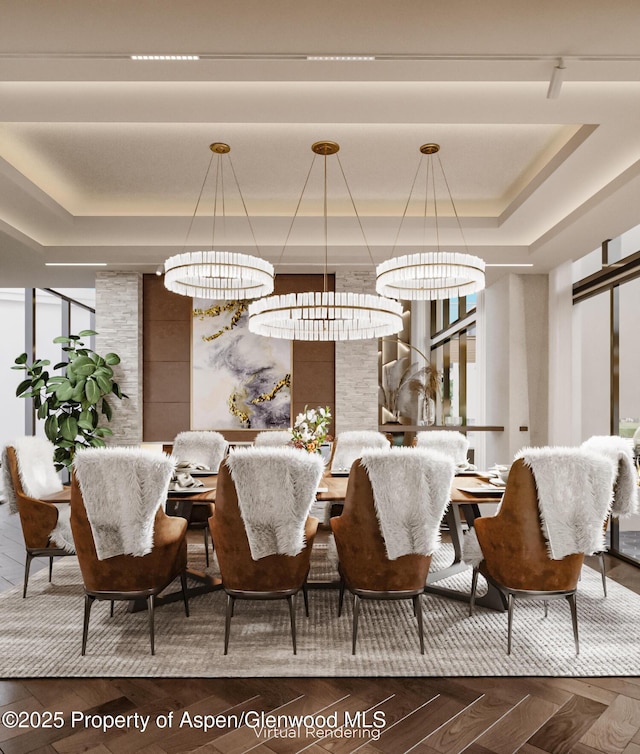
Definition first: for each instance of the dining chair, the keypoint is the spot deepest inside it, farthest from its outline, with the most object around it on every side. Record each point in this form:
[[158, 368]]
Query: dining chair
[[534, 547], [272, 439], [349, 445], [29, 473], [127, 547], [625, 488], [449, 442], [390, 526], [261, 529], [206, 448]]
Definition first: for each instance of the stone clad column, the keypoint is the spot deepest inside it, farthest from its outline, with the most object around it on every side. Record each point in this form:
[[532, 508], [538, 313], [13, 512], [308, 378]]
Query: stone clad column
[[119, 328], [356, 366]]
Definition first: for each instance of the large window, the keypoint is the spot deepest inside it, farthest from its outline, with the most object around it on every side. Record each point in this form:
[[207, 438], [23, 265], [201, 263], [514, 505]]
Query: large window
[[31, 319], [606, 316], [12, 409]]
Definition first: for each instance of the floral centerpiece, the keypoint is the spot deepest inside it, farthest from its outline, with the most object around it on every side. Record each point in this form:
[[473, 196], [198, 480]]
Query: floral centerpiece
[[310, 429]]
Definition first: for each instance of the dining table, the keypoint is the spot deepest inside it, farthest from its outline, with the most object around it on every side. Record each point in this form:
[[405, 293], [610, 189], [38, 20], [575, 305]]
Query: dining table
[[469, 491]]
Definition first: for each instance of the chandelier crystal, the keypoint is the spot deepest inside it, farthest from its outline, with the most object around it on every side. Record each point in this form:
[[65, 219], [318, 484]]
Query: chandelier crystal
[[217, 274], [434, 275], [326, 315]]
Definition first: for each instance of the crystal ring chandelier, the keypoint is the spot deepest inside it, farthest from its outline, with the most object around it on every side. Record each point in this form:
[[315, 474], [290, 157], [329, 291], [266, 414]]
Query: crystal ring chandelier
[[326, 315], [430, 275], [217, 274]]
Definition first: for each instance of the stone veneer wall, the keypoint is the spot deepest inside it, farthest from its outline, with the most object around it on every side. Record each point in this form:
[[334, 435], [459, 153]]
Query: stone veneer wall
[[119, 328], [356, 366]]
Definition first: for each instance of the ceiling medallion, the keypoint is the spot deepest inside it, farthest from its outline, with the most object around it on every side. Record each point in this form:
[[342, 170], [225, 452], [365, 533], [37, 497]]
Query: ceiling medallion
[[325, 315], [431, 275], [217, 274]]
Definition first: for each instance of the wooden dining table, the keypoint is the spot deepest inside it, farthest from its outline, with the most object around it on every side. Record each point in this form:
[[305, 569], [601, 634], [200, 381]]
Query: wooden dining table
[[468, 493]]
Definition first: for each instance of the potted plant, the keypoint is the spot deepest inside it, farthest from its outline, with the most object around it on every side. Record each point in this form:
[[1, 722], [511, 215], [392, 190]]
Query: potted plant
[[74, 403]]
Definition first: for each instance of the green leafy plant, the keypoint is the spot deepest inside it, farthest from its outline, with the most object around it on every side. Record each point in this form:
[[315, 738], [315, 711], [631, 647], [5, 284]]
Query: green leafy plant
[[72, 404]]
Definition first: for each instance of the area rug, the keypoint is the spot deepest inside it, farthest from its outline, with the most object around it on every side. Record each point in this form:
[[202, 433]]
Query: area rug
[[41, 635]]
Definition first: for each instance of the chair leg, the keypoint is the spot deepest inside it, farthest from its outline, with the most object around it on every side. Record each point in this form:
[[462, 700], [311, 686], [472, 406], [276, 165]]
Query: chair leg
[[88, 603], [27, 568], [111, 611], [341, 597], [185, 595], [206, 545], [603, 572], [151, 603], [227, 622], [291, 599], [474, 586], [50, 569], [305, 597], [510, 601], [546, 608], [417, 609], [574, 619], [356, 610]]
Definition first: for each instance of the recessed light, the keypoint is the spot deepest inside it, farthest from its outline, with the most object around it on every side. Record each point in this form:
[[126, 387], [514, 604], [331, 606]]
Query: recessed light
[[75, 264], [349, 58], [165, 57]]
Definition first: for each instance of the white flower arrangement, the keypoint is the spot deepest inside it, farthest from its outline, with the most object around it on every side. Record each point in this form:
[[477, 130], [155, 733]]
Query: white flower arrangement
[[310, 428]]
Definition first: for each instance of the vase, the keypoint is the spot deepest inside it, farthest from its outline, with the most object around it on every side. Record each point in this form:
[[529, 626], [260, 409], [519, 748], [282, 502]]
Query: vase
[[427, 412]]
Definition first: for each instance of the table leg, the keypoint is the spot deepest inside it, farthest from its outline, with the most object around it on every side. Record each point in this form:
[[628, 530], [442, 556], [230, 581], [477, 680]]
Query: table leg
[[493, 599]]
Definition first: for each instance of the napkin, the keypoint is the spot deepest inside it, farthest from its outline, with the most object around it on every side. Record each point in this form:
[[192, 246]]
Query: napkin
[[188, 466], [183, 481]]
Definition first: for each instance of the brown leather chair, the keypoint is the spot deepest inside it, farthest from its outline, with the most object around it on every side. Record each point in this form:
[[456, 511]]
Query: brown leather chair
[[271, 577], [38, 519], [125, 577], [365, 569], [516, 560]]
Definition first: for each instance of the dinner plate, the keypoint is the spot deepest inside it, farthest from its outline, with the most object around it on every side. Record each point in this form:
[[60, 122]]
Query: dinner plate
[[199, 472], [485, 489], [190, 491], [470, 472], [339, 473]]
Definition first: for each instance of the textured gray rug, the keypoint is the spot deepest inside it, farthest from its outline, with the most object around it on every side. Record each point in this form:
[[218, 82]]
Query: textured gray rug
[[40, 636]]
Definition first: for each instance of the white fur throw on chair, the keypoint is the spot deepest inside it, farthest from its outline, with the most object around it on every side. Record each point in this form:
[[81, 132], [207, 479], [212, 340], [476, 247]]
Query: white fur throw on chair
[[619, 450], [39, 478], [451, 443], [575, 489], [36, 468], [411, 491], [273, 439], [350, 445], [276, 488], [122, 490], [205, 448]]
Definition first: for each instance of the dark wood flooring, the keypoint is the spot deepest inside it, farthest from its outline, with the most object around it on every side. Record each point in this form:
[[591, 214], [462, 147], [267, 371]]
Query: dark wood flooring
[[422, 715]]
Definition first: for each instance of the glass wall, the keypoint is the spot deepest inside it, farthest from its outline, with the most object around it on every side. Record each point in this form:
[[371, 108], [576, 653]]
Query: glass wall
[[12, 409], [592, 324], [31, 319], [48, 325], [606, 396], [627, 531]]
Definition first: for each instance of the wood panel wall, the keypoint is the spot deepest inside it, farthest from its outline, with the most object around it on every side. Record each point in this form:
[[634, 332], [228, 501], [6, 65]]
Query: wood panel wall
[[167, 361]]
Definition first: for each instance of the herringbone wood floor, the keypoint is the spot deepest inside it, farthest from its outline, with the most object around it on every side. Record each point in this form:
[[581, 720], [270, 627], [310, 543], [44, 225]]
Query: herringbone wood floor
[[422, 715]]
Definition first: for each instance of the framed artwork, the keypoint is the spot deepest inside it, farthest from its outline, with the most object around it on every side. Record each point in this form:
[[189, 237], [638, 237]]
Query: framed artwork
[[238, 380]]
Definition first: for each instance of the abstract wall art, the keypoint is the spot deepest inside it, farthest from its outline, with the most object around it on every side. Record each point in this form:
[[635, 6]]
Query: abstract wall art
[[239, 380]]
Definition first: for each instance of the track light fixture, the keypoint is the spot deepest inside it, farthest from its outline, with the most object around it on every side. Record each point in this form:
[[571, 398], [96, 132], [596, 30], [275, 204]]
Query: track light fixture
[[557, 77]]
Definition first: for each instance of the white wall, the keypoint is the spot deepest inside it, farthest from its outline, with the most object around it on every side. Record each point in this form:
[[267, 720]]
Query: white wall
[[516, 372]]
